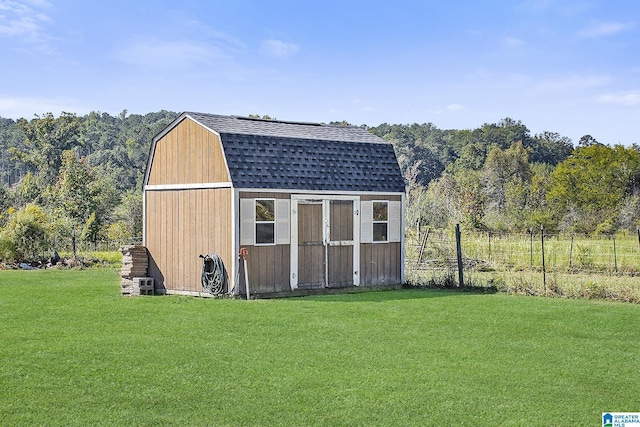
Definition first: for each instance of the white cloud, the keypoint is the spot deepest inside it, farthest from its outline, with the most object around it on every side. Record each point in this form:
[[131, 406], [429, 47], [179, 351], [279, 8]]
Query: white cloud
[[23, 19], [604, 29], [180, 54], [217, 37], [626, 99], [278, 48], [512, 41], [454, 107]]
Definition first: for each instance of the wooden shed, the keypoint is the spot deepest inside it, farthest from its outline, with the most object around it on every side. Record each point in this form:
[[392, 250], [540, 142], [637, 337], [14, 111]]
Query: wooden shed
[[317, 206]]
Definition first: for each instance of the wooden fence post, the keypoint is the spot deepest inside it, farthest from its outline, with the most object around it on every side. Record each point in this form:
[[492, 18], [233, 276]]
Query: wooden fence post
[[424, 244], [459, 256]]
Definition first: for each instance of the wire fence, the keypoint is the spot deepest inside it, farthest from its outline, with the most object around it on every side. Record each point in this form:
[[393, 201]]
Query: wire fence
[[610, 254], [533, 262], [70, 247]]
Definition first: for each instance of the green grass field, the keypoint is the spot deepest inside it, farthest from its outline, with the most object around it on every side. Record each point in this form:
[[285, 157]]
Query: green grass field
[[75, 352]]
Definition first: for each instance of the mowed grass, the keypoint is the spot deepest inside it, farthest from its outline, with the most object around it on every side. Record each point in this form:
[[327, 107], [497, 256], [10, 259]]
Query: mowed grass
[[73, 351]]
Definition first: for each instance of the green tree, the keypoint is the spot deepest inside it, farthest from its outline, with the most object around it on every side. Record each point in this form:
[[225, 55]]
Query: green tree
[[587, 140], [460, 196], [506, 169], [46, 137], [550, 148], [27, 191], [11, 139], [5, 203], [423, 145], [73, 196], [84, 198], [588, 188], [126, 226]]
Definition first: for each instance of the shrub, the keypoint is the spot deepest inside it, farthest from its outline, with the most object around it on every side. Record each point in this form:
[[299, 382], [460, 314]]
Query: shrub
[[7, 248], [26, 234]]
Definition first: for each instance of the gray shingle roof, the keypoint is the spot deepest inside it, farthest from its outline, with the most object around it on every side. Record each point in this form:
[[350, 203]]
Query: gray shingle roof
[[304, 156], [250, 126]]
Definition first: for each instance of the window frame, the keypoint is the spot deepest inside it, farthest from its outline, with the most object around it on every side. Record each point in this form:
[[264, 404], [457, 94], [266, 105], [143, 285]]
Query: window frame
[[374, 222], [256, 222]]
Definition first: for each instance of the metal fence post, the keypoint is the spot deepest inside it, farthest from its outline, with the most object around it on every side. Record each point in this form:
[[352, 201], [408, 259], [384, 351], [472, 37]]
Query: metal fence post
[[459, 256], [531, 248], [615, 253], [544, 269], [571, 250]]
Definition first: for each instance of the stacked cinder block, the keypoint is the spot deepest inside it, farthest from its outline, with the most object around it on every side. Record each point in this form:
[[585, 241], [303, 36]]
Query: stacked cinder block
[[135, 263]]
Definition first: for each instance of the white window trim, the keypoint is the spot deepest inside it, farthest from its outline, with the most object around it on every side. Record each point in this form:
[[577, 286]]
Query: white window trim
[[256, 222], [395, 214], [366, 218], [374, 222], [247, 222], [247, 225], [396, 232]]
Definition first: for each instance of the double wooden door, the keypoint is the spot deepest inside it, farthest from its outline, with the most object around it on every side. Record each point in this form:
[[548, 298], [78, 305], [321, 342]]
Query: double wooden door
[[325, 242]]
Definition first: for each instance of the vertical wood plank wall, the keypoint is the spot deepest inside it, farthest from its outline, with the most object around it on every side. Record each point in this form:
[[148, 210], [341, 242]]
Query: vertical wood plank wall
[[182, 224], [381, 263], [341, 257], [188, 154], [268, 266], [311, 267]]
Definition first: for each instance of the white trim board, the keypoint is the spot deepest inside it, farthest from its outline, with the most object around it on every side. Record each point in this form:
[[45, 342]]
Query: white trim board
[[189, 186], [327, 193]]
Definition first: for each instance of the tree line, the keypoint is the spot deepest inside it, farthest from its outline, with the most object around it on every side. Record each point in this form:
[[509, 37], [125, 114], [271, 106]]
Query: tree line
[[81, 176], [72, 177], [499, 177]]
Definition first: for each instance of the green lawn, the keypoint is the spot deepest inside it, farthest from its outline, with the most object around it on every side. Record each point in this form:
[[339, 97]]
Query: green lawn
[[75, 352]]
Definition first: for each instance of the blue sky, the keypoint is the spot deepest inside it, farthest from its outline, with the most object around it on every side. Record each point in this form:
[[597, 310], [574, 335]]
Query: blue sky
[[571, 67]]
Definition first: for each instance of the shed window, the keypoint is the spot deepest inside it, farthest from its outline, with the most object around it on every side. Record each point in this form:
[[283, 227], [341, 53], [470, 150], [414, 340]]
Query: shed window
[[381, 221], [265, 221]]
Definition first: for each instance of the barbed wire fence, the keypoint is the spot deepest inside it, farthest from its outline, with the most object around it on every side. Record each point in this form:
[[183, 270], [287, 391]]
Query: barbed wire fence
[[534, 262]]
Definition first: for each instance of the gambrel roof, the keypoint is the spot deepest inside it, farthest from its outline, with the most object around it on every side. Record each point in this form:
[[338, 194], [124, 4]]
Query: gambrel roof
[[270, 154]]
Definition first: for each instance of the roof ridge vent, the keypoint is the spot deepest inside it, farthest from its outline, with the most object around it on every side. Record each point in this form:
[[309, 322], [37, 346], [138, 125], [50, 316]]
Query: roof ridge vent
[[258, 119]]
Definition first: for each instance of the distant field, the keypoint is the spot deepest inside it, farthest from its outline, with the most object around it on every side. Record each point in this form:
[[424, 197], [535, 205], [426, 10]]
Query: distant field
[[75, 352]]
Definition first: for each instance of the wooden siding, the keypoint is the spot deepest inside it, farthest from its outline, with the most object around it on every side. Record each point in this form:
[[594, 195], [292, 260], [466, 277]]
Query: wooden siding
[[268, 267], [182, 224], [340, 258], [311, 250], [381, 263], [188, 154]]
